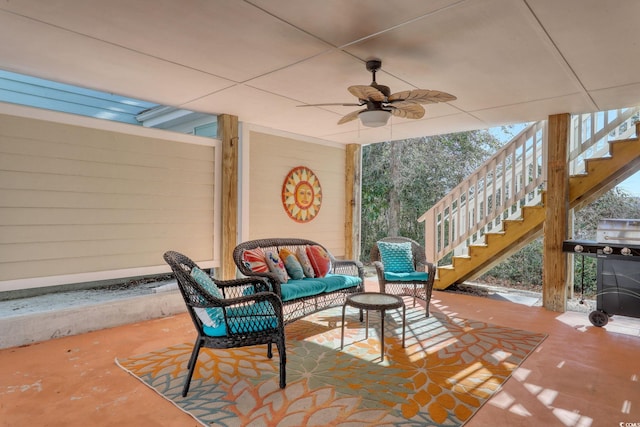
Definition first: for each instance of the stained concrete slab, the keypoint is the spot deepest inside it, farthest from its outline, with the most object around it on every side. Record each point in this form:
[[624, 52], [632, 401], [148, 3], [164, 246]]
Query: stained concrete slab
[[39, 318]]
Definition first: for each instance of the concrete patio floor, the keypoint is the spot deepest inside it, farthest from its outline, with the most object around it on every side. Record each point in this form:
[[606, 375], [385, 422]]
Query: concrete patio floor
[[581, 375]]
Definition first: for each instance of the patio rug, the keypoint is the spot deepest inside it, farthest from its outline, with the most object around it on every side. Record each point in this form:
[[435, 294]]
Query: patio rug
[[448, 369]]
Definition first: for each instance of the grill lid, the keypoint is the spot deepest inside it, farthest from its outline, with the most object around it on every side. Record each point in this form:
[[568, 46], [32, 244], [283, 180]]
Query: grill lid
[[625, 231]]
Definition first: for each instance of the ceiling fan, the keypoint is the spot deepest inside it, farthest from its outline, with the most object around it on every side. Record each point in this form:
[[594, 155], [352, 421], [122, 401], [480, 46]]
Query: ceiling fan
[[381, 104]]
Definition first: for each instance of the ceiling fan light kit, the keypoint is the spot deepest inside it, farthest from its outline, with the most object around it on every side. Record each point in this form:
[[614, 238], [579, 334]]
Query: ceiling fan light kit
[[381, 103], [374, 118]]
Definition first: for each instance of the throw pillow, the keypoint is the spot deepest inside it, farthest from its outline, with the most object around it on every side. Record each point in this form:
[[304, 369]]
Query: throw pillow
[[396, 257], [301, 253], [319, 259], [291, 263], [276, 266], [254, 260], [213, 317]]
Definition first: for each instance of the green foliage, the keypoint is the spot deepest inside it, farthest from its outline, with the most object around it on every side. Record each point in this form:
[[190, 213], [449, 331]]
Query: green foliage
[[417, 173], [522, 268]]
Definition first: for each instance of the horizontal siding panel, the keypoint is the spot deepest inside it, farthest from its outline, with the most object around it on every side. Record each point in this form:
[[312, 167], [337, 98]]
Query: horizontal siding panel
[[61, 199], [77, 200], [77, 232], [191, 156], [83, 184], [85, 138], [89, 264], [79, 249], [56, 166], [46, 216]]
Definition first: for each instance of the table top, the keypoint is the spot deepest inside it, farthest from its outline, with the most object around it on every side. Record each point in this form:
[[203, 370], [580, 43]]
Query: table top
[[374, 301]]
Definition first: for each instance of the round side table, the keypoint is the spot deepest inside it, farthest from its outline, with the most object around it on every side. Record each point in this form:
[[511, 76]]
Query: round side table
[[374, 301]]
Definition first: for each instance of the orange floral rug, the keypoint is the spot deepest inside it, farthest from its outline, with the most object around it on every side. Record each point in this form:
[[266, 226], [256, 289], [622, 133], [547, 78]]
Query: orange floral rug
[[448, 369]]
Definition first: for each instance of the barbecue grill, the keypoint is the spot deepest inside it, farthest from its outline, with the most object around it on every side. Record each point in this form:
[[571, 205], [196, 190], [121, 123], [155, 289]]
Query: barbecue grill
[[618, 275]]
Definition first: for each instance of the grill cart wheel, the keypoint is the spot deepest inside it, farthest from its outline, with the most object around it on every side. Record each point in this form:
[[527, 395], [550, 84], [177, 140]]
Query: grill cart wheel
[[598, 318]]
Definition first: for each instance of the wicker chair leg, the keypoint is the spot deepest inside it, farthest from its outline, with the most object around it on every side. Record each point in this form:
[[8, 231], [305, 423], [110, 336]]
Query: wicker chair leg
[[192, 364], [283, 363], [269, 350]]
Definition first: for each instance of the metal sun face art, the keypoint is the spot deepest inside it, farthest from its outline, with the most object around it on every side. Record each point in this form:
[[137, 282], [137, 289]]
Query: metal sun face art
[[301, 194]]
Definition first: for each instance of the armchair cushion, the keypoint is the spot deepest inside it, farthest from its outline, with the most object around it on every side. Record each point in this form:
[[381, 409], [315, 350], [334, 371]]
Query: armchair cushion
[[213, 316], [396, 257], [245, 324], [406, 277], [245, 318]]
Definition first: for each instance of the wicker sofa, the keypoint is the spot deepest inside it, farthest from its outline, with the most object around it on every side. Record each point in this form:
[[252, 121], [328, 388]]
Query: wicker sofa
[[301, 297]]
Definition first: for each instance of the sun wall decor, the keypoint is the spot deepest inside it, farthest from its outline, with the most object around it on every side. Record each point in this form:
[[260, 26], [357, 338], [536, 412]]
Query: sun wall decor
[[301, 194]]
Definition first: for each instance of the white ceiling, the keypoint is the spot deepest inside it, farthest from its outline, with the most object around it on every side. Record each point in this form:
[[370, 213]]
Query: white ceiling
[[507, 61]]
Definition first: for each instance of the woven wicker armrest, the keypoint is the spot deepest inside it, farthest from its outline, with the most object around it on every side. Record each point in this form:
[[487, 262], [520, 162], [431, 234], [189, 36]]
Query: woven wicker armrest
[[353, 268], [237, 287]]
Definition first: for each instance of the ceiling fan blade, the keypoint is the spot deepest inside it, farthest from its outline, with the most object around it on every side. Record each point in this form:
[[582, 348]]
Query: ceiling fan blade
[[351, 116], [352, 104], [422, 96], [366, 93], [407, 110]]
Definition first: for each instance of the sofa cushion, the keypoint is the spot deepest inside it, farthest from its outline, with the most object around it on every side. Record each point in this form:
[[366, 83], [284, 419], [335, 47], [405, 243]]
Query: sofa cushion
[[254, 260], [396, 257], [336, 282], [301, 288], [291, 263], [319, 260], [276, 266], [212, 317], [301, 253], [406, 277], [255, 317]]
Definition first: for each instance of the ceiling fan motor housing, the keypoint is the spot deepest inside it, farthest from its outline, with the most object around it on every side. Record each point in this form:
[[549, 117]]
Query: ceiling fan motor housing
[[374, 65]]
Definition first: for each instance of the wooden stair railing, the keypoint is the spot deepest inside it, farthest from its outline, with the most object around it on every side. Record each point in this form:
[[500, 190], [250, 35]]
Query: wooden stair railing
[[601, 175]]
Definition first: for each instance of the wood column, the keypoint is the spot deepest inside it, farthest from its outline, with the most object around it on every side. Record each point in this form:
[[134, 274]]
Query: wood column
[[554, 290], [353, 182], [228, 134]]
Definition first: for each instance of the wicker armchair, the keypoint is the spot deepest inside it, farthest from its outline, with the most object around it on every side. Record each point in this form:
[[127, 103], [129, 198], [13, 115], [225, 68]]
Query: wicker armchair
[[410, 284], [247, 314]]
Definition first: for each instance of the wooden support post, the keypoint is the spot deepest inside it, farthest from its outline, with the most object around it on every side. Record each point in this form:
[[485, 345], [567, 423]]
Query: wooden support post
[[353, 182], [228, 134], [554, 290]]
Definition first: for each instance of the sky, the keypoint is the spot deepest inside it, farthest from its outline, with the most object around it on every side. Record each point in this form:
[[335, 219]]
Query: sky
[[631, 185]]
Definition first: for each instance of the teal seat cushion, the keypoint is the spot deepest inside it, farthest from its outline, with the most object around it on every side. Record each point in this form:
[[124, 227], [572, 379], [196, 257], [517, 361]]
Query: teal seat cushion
[[396, 257], [336, 282], [406, 277], [247, 318], [300, 288]]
